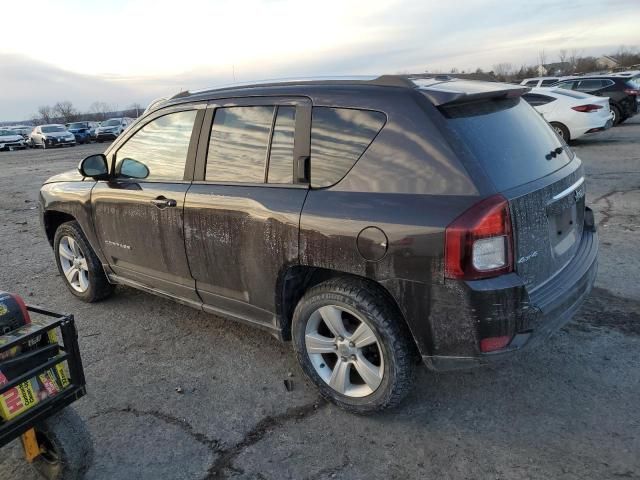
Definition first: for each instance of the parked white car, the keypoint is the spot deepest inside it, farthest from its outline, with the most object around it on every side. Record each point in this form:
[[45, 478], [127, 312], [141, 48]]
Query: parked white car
[[110, 129], [540, 81], [11, 140], [571, 114]]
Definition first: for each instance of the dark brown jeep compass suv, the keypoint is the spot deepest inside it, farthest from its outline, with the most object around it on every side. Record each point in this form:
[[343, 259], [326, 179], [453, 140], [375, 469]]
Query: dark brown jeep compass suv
[[371, 221]]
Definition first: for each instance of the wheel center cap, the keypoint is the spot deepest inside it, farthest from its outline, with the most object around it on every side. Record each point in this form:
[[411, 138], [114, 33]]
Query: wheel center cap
[[344, 349]]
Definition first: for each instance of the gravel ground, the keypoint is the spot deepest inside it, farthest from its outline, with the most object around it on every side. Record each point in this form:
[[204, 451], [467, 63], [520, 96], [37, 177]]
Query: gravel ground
[[567, 410]]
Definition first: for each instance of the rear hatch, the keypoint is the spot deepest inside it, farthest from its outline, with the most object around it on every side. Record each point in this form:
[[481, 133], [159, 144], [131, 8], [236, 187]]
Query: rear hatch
[[530, 166]]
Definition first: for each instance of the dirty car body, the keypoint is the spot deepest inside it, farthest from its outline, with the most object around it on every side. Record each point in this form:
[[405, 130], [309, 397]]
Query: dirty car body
[[453, 200]]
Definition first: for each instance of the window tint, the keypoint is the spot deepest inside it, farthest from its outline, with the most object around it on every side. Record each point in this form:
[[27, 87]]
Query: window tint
[[546, 83], [339, 136], [535, 100], [281, 156], [238, 144], [588, 85], [161, 145], [531, 83]]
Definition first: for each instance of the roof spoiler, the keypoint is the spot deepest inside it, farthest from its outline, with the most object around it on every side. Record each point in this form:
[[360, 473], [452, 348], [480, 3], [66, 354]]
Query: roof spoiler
[[461, 91]]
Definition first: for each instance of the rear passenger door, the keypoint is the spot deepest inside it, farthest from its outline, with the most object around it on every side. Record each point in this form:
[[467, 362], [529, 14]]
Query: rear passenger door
[[242, 211]]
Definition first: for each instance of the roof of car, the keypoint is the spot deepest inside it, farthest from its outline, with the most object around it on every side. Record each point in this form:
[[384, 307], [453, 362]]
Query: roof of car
[[440, 89]]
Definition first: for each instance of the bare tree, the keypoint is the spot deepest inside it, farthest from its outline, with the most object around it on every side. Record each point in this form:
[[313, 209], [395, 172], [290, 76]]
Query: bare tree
[[542, 60], [503, 71], [65, 111], [137, 107], [100, 110], [45, 114], [573, 59]]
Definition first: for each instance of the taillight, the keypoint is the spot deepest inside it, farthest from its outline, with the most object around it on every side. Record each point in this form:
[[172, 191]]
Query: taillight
[[632, 91], [479, 243], [587, 108]]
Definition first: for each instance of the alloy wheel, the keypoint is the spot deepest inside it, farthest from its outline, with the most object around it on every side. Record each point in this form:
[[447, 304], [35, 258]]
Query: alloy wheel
[[74, 264], [344, 351]]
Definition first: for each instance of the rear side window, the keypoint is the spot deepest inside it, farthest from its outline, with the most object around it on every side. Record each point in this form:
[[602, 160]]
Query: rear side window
[[566, 85], [508, 138], [535, 100], [339, 136], [238, 144], [281, 154]]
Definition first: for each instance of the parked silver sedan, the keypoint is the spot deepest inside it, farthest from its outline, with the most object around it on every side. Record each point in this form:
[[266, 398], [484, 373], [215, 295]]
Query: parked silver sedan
[[53, 135]]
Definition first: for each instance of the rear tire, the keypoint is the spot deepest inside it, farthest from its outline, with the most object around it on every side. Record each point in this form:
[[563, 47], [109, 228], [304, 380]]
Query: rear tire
[[363, 362], [617, 118], [67, 445], [562, 131], [79, 266]]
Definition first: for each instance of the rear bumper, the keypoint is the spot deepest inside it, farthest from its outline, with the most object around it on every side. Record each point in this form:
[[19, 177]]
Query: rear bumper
[[503, 306]]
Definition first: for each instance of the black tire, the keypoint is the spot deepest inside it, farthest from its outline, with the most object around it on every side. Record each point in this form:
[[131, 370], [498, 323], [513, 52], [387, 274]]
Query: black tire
[[617, 117], [382, 317], [562, 131], [67, 445], [99, 286]]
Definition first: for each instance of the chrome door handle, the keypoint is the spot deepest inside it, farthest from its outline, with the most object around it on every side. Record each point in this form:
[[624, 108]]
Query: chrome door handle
[[162, 202]]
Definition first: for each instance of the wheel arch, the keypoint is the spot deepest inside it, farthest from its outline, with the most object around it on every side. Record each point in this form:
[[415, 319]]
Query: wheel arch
[[52, 219], [296, 280]]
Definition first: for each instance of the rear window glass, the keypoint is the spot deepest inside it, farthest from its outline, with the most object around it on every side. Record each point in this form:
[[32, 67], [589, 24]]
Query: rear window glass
[[508, 138], [339, 136]]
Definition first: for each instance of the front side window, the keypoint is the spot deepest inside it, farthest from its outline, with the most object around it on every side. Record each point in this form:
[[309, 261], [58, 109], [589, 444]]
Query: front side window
[[531, 83], [566, 85], [339, 136], [589, 85], [161, 146], [548, 82], [239, 143]]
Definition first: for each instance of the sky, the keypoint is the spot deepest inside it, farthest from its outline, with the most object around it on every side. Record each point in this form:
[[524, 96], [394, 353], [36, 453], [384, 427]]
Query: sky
[[126, 51]]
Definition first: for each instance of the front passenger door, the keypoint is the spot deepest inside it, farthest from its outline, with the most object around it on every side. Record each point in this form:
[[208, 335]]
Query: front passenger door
[[138, 215]]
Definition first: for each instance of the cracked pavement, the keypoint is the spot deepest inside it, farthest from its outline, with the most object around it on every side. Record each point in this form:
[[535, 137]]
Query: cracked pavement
[[566, 410]]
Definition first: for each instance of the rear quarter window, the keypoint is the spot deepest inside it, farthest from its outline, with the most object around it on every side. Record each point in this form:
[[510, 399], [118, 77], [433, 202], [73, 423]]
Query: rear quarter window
[[339, 137], [508, 138]]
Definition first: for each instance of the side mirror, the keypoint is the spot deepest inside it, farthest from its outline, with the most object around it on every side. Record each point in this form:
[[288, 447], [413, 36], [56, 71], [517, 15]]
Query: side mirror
[[94, 166], [130, 168]]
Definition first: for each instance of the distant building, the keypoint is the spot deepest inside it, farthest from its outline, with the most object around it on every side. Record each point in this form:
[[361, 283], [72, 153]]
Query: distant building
[[605, 61]]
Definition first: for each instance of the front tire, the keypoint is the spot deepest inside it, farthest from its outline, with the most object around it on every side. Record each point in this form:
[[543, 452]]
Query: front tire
[[78, 264], [351, 342], [66, 445]]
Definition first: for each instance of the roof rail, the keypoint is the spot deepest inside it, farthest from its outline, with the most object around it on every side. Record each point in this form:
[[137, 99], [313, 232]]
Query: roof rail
[[382, 80]]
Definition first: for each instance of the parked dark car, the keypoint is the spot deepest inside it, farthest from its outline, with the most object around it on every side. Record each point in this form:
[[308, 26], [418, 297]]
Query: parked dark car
[[623, 92], [82, 131], [370, 221]]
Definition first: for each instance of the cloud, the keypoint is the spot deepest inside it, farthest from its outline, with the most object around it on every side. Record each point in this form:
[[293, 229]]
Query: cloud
[[141, 49]]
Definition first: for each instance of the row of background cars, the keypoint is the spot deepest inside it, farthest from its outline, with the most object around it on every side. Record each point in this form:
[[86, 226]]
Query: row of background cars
[[579, 105], [19, 137]]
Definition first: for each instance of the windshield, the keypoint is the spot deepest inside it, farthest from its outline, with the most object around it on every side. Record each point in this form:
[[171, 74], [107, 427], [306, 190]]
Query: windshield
[[111, 123], [53, 128], [4, 133], [77, 125], [508, 138]]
